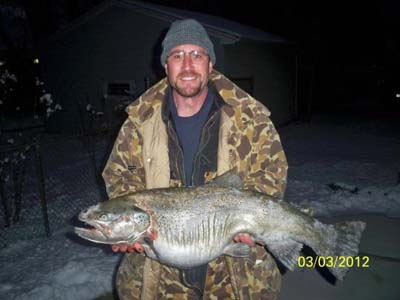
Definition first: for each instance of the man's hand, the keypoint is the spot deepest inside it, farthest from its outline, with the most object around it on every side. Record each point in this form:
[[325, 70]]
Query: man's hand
[[239, 238], [128, 247], [136, 246], [244, 238]]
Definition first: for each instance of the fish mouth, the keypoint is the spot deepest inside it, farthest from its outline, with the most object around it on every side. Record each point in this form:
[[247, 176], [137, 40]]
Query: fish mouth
[[96, 235], [93, 231], [100, 233], [93, 234]]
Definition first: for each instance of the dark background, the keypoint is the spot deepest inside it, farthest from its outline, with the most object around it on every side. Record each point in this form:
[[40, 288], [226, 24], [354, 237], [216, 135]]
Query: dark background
[[348, 50]]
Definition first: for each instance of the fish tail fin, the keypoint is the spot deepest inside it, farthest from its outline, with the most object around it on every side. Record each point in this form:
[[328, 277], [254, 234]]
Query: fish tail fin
[[346, 243]]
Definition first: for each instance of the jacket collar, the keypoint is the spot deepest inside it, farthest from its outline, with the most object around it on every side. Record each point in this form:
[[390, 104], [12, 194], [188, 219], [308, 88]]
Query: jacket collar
[[218, 102], [152, 99]]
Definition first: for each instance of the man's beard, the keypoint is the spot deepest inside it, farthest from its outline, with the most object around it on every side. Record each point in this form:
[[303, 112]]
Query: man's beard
[[188, 90]]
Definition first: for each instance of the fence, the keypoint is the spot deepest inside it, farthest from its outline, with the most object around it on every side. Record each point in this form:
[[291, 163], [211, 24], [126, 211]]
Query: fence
[[47, 180]]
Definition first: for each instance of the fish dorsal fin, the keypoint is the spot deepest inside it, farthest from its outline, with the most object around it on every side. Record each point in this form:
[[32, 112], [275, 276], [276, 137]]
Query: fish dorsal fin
[[228, 179]]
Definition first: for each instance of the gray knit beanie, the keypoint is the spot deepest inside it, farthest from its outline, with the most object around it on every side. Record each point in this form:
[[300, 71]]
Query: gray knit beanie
[[187, 31]]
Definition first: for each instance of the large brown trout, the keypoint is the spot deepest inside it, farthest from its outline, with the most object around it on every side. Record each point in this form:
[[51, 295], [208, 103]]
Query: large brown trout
[[191, 226]]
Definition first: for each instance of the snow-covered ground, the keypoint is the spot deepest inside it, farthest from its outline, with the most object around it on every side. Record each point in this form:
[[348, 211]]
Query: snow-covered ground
[[343, 165], [338, 165]]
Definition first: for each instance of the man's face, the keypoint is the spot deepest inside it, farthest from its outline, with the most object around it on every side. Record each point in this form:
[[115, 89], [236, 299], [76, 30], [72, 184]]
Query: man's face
[[188, 68]]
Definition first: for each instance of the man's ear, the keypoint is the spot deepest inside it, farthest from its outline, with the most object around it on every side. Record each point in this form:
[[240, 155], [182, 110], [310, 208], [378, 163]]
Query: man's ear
[[166, 69], [210, 67]]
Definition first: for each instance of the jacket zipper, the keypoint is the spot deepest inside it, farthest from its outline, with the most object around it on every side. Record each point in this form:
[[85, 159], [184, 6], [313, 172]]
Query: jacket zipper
[[202, 144], [181, 174]]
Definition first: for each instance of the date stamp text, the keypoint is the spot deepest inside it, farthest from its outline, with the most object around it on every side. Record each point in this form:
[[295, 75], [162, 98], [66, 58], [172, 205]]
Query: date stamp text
[[333, 261]]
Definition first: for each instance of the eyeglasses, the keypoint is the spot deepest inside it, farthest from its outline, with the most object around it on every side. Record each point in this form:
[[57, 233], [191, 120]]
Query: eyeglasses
[[178, 56]]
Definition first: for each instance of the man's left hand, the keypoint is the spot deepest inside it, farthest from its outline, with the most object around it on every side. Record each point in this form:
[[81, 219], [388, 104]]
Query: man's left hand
[[244, 238]]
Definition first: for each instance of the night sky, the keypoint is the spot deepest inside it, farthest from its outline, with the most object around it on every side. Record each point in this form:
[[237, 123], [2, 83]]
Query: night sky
[[357, 31], [355, 38]]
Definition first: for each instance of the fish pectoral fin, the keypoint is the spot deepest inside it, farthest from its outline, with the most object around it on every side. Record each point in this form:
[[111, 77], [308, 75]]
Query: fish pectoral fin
[[149, 252], [287, 251], [237, 250]]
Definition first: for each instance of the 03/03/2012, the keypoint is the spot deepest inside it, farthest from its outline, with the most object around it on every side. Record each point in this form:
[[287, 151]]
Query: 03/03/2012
[[333, 261]]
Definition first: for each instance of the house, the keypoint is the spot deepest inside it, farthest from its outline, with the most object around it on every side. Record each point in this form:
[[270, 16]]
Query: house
[[110, 55]]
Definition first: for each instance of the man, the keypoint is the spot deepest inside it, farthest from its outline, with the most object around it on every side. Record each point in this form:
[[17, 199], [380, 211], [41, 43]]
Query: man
[[185, 130]]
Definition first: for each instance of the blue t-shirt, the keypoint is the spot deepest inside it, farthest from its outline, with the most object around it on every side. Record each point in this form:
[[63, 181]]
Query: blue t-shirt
[[189, 130]]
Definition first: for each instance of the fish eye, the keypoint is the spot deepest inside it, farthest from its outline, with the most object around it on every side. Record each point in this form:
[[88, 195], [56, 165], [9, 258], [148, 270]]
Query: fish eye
[[103, 217]]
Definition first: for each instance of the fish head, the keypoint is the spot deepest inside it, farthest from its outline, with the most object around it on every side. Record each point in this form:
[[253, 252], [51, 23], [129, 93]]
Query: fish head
[[113, 222]]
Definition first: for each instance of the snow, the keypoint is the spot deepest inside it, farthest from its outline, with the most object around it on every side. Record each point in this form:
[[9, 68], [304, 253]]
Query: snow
[[58, 268], [344, 165], [338, 166]]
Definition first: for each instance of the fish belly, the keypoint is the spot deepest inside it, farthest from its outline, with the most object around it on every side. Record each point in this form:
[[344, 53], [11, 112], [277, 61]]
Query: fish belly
[[197, 241]]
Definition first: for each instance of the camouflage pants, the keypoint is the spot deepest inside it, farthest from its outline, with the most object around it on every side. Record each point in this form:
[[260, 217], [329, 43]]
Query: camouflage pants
[[255, 277]]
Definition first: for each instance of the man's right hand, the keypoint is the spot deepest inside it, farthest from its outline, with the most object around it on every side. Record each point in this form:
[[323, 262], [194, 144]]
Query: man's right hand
[[128, 247], [136, 246]]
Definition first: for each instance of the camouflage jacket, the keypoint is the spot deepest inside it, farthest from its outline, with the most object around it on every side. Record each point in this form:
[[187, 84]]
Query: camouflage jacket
[[248, 143]]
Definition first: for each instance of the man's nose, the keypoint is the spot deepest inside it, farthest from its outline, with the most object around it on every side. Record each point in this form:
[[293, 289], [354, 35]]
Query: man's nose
[[187, 61]]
